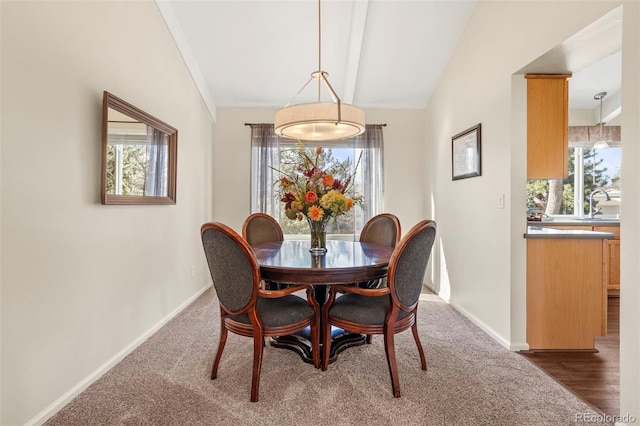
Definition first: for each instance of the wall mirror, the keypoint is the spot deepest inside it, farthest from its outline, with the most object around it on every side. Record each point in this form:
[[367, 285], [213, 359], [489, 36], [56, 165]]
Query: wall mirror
[[139, 155]]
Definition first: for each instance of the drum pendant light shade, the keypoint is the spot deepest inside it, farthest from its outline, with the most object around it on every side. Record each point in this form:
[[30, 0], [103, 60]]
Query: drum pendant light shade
[[319, 121]]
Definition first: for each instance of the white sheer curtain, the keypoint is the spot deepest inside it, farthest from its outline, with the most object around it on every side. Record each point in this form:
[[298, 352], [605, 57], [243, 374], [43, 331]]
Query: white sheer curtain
[[155, 183], [369, 176], [265, 155]]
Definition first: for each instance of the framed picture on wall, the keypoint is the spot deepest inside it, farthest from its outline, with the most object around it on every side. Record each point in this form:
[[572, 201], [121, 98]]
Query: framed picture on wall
[[465, 153]]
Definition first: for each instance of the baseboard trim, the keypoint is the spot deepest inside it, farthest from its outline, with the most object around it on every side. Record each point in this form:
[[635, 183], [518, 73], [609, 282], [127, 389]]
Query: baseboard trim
[[58, 404], [512, 346], [519, 346], [481, 324]]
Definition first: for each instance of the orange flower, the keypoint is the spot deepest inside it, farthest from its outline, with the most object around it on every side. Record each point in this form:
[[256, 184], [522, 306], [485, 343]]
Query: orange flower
[[310, 197], [318, 150], [349, 203], [327, 180], [315, 213]]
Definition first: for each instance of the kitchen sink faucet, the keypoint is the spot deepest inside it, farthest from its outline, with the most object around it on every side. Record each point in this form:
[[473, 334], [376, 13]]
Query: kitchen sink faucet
[[595, 191]]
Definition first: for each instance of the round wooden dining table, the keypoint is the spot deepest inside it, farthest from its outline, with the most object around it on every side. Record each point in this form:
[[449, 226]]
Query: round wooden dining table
[[345, 262]]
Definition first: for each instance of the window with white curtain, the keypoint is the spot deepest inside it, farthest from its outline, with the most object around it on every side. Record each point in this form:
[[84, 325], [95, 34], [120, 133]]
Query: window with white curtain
[[266, 155]]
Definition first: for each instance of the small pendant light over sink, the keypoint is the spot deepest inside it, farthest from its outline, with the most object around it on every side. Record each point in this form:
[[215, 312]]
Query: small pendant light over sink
[[601, 142], [319, 121]]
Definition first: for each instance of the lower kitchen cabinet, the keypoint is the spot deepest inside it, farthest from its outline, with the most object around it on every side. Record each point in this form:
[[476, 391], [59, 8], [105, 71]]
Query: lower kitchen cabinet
[[566, 293], [611, 254], [612, 259]]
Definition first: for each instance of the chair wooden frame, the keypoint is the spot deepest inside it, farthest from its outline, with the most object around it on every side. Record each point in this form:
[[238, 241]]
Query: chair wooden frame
[[392, 324], [256, 329]]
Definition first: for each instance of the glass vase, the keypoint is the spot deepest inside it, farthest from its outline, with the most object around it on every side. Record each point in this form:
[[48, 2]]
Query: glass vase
[[318, 236]]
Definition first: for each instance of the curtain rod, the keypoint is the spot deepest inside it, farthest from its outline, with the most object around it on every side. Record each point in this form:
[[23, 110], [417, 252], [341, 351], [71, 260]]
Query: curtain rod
[[251, 124]]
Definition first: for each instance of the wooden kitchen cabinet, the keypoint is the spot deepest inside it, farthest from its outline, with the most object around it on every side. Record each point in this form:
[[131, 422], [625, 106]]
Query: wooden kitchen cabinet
[[612, 259], [566, 297], [613, 248], [547, 125], [611, 254]]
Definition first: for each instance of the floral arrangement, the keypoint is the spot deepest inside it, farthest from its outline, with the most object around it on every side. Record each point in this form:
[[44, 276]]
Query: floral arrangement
[[317, 187]]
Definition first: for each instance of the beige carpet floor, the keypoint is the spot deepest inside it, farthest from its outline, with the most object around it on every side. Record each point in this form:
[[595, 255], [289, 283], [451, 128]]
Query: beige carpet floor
[[471, 380]]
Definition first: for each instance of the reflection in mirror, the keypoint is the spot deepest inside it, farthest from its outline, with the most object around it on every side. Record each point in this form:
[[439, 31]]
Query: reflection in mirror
[[138, 156]]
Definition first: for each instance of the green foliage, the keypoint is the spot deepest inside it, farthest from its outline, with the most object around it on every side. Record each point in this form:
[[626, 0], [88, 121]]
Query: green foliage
[[567, 199], [594, 177], [134, 171], [537, 193]]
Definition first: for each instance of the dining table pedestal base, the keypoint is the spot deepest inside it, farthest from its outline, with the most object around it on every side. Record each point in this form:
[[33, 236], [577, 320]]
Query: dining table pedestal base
[[289, 262], [300, 343]]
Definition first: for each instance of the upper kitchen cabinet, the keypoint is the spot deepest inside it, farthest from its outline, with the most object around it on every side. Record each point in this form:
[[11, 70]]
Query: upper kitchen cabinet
[[547, 125]]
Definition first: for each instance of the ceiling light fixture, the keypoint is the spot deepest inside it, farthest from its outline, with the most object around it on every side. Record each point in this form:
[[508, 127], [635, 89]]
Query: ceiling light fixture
[[601, 142], [319, 121]]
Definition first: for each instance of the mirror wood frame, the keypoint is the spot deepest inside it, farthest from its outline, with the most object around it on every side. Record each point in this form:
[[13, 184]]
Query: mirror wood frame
[[117, 104]]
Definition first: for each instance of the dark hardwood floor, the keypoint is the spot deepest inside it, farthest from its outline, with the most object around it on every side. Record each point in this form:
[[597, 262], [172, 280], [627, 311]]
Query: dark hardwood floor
[[594, 377]]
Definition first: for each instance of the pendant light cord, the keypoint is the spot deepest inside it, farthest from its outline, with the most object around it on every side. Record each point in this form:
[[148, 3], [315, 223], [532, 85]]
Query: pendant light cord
[[601, 137], [600, 121], [600, 96], [319, 50]]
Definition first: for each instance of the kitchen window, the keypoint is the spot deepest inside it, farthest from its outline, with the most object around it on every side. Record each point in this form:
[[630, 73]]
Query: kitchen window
[[589, 169]]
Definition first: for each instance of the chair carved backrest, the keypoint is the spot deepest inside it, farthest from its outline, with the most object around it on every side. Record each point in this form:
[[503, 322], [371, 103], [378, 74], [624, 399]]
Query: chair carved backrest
[[261, 228], [408, 264], [233, 266], [245, 308], [383, 229]]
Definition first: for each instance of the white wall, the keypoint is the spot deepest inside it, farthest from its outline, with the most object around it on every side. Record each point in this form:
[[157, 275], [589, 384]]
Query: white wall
[[630, 212], [81, 282], [480, 255], [404, 152]]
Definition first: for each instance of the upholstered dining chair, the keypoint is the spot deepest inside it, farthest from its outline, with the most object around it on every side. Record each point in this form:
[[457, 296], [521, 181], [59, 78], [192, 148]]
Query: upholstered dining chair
[[387, 310], [262, 228], [247, 309], [383, 229]]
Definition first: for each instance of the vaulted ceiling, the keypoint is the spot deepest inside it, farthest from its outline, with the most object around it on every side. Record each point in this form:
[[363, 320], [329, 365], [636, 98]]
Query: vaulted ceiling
[[378, 53]]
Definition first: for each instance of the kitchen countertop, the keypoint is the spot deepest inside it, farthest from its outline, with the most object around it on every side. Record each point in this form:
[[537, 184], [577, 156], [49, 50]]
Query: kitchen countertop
[[554, 221], [546, 232]]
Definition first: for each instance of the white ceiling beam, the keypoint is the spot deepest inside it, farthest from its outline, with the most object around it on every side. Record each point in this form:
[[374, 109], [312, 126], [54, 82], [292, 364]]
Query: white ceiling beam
[[356, 37]]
